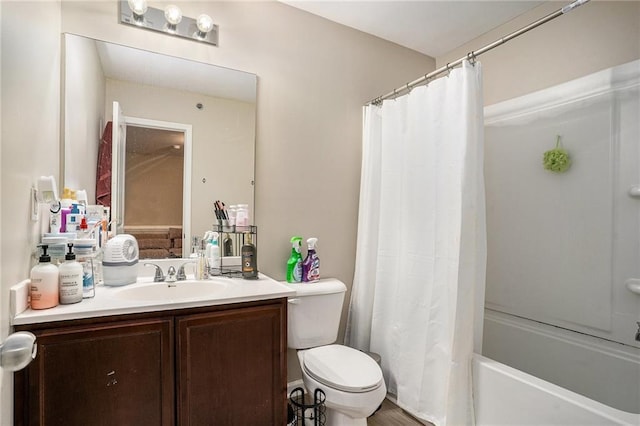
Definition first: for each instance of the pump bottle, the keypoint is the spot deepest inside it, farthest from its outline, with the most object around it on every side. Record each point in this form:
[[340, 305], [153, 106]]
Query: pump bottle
[[70, 279], [44, 283], [249, 257], [311, 264]]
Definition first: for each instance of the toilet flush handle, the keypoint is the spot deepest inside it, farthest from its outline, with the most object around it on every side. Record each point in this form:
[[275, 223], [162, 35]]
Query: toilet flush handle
[[294, 301]]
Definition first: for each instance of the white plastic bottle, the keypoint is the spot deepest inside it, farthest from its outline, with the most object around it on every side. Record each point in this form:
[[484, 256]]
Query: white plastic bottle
[[70, 279], [86, 255], [213, 251], [44, 283]]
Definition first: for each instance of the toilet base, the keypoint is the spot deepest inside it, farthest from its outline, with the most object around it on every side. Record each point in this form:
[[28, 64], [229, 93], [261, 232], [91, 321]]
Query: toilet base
[[336, 418]]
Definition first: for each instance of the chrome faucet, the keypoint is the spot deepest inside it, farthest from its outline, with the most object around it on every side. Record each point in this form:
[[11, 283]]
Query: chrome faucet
[[159, 276], [171, 275], [181, 274], [638, 332]]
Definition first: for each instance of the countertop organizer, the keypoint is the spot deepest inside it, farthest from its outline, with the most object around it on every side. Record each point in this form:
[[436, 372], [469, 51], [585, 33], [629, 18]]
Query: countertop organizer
[[232, 265]]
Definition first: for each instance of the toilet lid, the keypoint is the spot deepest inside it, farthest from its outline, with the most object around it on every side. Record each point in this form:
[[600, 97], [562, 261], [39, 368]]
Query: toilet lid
[[343, 368]]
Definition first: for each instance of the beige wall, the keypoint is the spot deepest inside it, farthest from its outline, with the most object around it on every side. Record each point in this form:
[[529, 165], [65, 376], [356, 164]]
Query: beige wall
[[223, 136], [83, 111], [593, 37], [313, 78], [153, 190], [29, 142]]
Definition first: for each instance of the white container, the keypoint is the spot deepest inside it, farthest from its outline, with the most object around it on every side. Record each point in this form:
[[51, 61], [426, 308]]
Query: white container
[[57, 248], [242, 215], [44, 283], [120, 261], [71, 273], [84, 250]]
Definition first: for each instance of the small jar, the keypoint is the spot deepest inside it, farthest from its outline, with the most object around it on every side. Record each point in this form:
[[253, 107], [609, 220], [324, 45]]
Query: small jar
[[242, 215], [85, 251], [232, 211]]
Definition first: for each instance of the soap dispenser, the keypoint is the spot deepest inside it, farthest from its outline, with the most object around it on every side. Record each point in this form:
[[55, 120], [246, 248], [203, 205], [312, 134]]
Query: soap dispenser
[[44, 283], [249, 258], [71, 273]]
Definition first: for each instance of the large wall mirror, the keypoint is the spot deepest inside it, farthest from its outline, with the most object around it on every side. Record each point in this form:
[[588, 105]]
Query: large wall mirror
[[190, 132]]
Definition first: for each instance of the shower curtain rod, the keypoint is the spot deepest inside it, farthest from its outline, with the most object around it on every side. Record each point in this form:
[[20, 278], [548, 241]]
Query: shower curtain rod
[[471, 56]]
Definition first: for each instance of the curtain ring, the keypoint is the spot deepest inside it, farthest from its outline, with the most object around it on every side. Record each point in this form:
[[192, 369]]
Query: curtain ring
[[409, 88], [471, 57], [448, 68]]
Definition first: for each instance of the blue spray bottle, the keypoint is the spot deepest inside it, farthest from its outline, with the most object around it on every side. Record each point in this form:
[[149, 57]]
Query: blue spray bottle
[[311, 264]]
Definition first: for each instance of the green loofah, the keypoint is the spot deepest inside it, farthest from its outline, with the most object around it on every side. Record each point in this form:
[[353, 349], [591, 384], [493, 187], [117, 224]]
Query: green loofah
[[556, 160]]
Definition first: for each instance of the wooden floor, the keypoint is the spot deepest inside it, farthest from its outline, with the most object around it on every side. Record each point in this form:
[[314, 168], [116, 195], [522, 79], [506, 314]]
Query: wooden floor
[[392, 415]]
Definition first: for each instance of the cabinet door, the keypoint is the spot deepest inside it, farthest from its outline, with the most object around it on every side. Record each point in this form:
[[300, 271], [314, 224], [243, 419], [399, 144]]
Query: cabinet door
[[232, 367], [107, 374]]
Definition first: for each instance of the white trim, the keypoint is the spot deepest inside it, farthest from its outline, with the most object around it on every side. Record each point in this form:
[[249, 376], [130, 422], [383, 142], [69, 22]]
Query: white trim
[[187, 129], [622, 77]]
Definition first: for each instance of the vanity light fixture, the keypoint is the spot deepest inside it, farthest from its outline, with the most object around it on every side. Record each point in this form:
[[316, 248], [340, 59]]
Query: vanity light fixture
[[173, 15], [139, 8], [169, 21], [204, 24]]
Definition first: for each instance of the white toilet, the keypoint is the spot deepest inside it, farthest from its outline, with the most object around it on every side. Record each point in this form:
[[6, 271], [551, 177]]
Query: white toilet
[[351, 380]]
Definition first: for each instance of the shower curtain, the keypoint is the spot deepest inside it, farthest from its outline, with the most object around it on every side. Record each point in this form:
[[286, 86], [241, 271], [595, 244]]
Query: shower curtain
[[418, 291]]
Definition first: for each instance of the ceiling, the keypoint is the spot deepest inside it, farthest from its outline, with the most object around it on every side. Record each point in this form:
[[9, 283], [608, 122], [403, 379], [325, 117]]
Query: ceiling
[[430, 27]]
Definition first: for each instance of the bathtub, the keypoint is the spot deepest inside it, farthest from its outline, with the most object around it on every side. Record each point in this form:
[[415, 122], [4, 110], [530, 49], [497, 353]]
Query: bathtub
[[506, 396]]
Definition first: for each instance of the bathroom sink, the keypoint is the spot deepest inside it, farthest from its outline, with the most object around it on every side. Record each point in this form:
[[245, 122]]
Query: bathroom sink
[[179, 290]]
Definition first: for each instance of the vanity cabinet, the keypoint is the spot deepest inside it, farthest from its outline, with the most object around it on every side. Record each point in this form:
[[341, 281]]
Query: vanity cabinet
[[218, 365], [117, 373]]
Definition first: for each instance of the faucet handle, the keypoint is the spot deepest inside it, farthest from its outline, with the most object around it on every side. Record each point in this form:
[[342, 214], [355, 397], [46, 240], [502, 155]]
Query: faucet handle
[[159, 276], [181, 274]]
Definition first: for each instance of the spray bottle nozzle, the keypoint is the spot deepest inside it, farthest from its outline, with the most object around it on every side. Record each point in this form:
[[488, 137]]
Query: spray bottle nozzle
[[311, 243]]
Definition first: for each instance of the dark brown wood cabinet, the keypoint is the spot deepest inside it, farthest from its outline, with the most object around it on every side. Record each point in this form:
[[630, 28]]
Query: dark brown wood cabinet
[[220, 365]]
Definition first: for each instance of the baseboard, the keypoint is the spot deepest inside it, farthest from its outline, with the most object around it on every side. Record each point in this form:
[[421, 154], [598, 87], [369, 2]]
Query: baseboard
[[295, 384]]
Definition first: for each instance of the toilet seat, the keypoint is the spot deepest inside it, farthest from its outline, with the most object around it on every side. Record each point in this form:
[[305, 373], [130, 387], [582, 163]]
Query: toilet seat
[[343, 368]]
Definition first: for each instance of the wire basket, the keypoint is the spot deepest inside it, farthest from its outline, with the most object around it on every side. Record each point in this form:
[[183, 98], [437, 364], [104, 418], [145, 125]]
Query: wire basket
[[308, 412]]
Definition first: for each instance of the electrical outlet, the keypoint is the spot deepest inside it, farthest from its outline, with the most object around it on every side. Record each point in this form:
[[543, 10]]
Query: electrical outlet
[[35, 207]]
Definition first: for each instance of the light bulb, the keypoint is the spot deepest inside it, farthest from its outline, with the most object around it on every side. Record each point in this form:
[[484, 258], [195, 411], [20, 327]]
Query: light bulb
[[173, 14], [204, 23], [138, 7]]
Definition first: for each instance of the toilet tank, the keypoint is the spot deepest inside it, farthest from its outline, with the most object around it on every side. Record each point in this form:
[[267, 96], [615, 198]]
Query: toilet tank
[[313, 317]]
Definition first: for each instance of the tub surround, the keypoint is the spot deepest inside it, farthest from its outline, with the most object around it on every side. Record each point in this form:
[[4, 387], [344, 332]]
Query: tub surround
[[506, 396]]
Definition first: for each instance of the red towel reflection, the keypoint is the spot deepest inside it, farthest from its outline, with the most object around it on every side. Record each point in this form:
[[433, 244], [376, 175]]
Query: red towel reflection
[[103, 174]]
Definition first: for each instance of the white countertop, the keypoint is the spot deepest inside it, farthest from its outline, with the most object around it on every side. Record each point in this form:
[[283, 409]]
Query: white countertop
[[107, 303]]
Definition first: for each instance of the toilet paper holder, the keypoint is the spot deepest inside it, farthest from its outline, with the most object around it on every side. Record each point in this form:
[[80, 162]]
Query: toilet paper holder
[[308, 413]]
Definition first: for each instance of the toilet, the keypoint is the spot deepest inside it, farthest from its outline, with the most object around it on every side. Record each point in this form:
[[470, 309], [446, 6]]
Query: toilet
[[350, 379]]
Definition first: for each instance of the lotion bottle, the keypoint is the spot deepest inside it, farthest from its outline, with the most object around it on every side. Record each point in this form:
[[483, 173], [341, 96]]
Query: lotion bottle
[[44, 283], [71, 273]]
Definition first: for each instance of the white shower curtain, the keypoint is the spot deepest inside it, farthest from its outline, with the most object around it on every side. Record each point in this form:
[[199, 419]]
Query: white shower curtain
[[418, 290]]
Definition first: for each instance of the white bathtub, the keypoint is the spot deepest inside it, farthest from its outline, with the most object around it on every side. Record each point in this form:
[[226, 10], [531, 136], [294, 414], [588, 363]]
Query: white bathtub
[[506, 396]]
